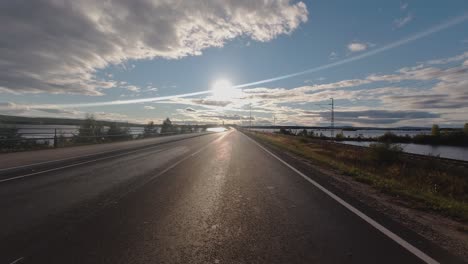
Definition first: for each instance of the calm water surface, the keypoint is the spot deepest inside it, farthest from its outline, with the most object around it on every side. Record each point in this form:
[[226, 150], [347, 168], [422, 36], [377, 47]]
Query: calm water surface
[[451, 152]]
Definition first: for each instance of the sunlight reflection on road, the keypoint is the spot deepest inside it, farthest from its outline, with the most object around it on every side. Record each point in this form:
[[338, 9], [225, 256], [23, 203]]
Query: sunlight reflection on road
[[216, 129]]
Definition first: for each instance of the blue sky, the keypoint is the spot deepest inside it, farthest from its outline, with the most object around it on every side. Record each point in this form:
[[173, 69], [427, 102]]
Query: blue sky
[[134, 57]]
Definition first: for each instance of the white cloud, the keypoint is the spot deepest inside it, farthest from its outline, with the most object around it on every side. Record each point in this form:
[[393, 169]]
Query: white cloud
[[401, 22], [403, 6], [52, 111], [59, 47], [421, 94], [148, 107], [456, 58], [132, 88], [356, 46], [333, 55], [150, 88]]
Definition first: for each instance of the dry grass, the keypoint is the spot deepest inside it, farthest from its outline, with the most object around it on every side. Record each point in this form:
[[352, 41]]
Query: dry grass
[[425, 184]]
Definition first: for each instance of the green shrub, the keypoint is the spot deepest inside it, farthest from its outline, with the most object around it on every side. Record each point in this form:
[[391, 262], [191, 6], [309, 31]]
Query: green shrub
[[384, 152], [340, 136]]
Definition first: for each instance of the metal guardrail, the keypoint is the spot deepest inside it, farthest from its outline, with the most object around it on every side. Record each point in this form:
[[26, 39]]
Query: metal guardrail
[[56, 136]]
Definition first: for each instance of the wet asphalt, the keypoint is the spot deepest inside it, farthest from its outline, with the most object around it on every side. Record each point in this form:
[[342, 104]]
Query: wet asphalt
[[216, 198]]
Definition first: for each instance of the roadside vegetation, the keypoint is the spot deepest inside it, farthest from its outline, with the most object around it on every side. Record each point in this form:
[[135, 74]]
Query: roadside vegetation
[[438, 136], [426, 184], [90, 131], [10, 140]]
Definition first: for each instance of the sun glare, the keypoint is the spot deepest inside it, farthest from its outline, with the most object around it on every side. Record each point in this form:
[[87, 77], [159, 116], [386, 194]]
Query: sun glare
[[222, 89]]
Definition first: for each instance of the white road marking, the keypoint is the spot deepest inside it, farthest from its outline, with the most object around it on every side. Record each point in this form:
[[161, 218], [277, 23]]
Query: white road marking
[[104, 158], [423, 256], [173, 165], [75, 164], [18, 260], [83, 156]]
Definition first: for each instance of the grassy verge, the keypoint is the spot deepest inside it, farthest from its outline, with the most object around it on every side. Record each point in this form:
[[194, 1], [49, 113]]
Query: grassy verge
[[423, 184]]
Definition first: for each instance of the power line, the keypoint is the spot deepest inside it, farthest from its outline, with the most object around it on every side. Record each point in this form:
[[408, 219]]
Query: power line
[[332, 131]]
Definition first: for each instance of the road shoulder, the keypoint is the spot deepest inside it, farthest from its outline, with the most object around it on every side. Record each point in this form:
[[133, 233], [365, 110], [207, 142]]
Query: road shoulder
[[441, 236]]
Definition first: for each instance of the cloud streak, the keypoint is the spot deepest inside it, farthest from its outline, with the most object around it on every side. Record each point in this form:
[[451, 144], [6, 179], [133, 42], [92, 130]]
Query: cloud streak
[[417, 36], [401, 22]]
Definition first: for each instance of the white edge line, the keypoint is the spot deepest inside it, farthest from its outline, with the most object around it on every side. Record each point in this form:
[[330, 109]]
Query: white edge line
[[423, 256], [76, 157], [75, 164], [103, 158], [18, 260]]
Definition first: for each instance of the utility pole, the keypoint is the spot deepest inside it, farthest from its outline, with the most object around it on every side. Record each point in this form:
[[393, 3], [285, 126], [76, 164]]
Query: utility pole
[[250, 118], [332, 131]]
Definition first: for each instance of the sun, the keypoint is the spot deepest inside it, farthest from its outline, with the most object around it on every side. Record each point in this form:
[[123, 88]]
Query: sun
[[223, 89]]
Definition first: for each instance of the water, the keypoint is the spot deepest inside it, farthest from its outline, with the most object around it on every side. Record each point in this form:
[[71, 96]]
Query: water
[[365, 133], [451, 152], [44, 134], [48, 131]]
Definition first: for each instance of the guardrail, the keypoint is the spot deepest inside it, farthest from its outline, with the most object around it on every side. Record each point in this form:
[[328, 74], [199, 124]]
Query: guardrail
[[29, 137]]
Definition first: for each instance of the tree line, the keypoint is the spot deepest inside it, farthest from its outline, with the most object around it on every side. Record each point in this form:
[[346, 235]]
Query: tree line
[[438, 136], [90, 131]]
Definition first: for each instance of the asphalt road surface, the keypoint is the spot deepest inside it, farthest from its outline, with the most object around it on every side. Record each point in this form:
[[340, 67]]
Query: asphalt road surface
[[216, 198]]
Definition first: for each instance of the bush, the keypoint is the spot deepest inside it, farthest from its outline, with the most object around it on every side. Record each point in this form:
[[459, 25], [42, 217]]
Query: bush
[[390, 137], [303, 133], [384, 152], [90, 131], [340, 136], [285, 131], [435, 131], [116, 133], [167, 127], [9, 138], [150, 130]]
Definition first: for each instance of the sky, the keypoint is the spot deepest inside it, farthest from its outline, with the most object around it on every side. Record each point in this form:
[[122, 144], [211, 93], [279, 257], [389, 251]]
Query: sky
[[385, 63]]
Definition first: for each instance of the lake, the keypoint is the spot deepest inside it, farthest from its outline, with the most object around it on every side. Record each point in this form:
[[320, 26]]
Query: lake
[[48, 131], [364, 133], [450, 152]]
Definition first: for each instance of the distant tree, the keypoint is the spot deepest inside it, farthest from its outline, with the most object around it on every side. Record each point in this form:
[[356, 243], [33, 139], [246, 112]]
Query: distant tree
[[303, 132], [435, 131], [167, 126], [149, 130], [285, 131], [9, 138], [90, 131], [116, 132], [340, 136], [465, 129], [186, 129]]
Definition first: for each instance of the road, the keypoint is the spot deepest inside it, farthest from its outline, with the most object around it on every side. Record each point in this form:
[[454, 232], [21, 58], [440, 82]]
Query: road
[[216, 198]]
